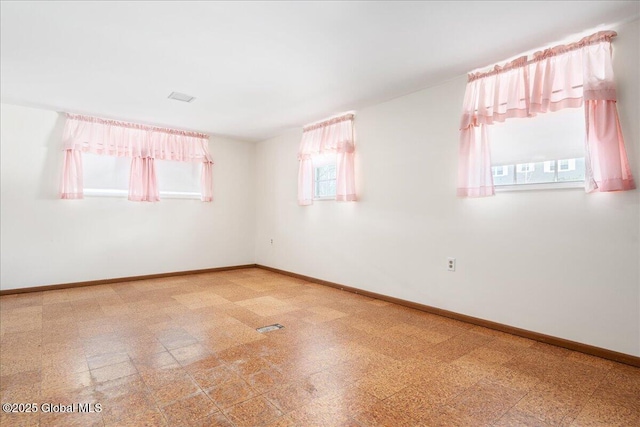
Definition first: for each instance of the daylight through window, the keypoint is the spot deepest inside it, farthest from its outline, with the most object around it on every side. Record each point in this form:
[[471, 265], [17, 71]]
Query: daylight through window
[[109, 176], [545, 149], [324, 176]]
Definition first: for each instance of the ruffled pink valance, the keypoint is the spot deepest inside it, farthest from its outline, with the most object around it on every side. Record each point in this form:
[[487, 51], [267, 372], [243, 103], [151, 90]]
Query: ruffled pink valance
[[497, 95], [555, 78], [565, 76], [330, 136], [123, 139], [143, 144]]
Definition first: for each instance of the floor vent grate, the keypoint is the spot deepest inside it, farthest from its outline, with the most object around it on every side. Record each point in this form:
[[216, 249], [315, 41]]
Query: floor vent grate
[[269, 328]]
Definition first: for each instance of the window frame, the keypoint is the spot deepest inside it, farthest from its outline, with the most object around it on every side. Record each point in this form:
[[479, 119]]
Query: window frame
[[101, 192], [540, 186], [124, 192], [541, 152], [320, 162], [524, 186]]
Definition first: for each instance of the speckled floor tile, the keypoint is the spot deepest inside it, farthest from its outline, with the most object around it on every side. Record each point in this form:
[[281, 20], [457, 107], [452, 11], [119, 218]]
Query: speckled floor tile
[[183, 351], [230, 393], [605, 413], [383, 414], [552, 404], [178, 389], [189, 409], [518, 418], [253, 412]]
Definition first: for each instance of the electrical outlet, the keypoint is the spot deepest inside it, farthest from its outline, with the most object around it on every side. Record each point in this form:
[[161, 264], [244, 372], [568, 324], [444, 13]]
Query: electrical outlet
[[272, 241], [451, 264]]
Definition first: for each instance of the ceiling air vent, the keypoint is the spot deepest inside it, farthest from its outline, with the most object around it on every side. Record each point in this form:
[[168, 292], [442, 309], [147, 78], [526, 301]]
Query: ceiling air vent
[[181, 97]]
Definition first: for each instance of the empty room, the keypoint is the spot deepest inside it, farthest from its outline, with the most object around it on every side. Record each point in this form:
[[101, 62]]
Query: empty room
[[320, 213]]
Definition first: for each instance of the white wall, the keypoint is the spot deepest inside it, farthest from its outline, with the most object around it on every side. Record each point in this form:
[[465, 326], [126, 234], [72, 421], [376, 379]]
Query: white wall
[[46, 241], [559, 262]]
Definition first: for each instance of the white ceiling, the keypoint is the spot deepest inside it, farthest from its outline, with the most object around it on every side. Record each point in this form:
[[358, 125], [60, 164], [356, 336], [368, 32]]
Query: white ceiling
[[259, 68]]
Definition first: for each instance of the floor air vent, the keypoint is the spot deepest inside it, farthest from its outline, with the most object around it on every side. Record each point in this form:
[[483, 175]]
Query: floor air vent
[[269, 328]]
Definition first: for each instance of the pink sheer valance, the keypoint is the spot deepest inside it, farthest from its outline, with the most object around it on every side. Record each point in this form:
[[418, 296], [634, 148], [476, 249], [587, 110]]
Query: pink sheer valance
[[552, 79], [560, 77], [565, 76], [497, 95], [331, 136], [142, 143], [123, 139]]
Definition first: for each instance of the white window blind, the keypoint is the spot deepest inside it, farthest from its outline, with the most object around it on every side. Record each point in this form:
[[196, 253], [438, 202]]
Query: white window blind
[[539, 150], [109, 176]]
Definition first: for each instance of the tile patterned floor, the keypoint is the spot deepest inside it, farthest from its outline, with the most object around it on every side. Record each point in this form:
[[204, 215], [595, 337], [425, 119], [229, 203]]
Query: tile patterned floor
[[184, 351]]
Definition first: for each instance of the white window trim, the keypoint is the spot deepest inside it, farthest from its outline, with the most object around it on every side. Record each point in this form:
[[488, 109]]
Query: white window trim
[[543, 186], [98, 192]]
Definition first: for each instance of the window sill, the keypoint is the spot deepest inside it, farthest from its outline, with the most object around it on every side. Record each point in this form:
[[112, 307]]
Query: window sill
[[545, 186], [324, 199], [94, 192]]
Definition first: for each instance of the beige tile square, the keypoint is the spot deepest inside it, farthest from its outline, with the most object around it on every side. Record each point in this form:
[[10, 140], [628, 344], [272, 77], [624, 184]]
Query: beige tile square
[[189, 410], [267, 306], [253, 412], [231, 393]]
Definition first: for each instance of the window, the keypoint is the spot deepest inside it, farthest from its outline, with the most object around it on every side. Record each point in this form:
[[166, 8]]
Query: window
[[556, 80], [330, 142], [547, 149], [324, 177], [109, 176], [105, 175], [505, 175], [526, 167], [499, 171], [540, 173], [567, 165], [325, 182], [179, 179], [549, 167], [570, 170], [143, 145]]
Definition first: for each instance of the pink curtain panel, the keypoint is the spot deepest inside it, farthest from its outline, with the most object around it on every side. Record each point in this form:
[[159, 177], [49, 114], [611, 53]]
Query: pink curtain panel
[[567, 76], [331, 136], [143, 144]]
